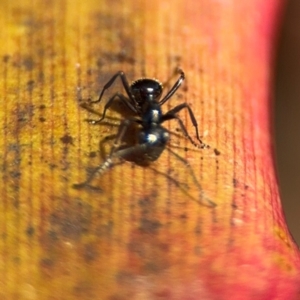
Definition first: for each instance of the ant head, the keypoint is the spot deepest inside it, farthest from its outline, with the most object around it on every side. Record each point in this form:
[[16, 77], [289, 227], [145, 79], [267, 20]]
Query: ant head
[[146, 90]]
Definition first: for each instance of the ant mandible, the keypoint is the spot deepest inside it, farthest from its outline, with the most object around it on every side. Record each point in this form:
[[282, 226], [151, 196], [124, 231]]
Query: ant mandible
[[144, 101]]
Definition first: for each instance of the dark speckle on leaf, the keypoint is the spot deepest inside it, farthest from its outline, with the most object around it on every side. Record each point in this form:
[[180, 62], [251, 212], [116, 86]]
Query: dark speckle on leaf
[[84, 290], [235, 182], [30, 85], [28, 63], [14, 147], [24, 112], [149, 226], [47, 263], [30, 231], [72, 220], [6, 58], [234, 206], [93, 154], [15, 174], [217, 152], [183, 216], [67, 139], [52, 166], [123, 57], [90, 252]]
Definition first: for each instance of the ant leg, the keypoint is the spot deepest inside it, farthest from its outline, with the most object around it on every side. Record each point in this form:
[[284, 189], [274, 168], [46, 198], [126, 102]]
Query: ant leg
[[203, 199], [122, 130], [101, 169], [174, 88], [106, 107], [108, 163], [167, 82], [102, 143], [172, 115], [93, 111], [111, 81], [115, 158]]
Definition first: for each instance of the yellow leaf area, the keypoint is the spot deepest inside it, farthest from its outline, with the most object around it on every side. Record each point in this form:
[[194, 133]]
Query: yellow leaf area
[[195, 223]]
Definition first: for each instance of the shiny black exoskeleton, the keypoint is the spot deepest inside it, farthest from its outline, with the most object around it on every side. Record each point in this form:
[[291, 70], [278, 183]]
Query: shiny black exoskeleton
[[143, 99]]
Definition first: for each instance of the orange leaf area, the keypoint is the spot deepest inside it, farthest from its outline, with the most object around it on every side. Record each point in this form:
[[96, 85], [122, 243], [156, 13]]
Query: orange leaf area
[[141, 232]]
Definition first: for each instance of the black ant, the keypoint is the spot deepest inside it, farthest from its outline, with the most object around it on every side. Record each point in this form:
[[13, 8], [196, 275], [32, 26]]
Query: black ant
[[144, 101]]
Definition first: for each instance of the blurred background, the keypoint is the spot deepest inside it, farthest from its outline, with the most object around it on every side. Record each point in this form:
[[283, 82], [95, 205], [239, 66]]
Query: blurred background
[[287, 115]]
